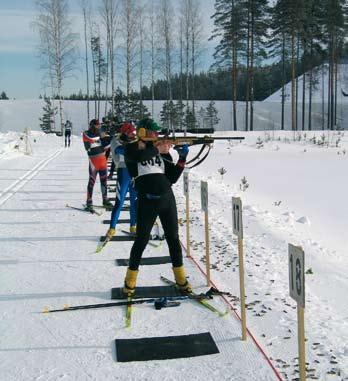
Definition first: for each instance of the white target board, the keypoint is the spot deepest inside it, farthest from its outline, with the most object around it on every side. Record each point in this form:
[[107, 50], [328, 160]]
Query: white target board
[[297, 274], [204, 196], [237, 217]]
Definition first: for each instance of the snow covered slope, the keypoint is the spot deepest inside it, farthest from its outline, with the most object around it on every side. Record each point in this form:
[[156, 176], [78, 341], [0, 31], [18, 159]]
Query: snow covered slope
[[297, 194]]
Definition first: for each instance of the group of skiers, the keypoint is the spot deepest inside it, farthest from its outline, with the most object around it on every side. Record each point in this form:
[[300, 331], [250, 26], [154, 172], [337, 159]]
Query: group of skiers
[[146, 170]]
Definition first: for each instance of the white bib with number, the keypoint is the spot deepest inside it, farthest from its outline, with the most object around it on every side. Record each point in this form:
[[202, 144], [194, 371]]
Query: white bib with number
[[151, 166]]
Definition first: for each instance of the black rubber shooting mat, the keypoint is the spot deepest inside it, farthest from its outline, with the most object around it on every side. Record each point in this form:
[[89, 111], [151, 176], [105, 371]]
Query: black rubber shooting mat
[[118, 238], [147, 292], [163, 348], [121, 221], [145, 261]]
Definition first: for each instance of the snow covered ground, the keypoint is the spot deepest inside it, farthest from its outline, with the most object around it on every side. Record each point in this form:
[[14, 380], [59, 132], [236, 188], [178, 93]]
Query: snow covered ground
[[297, 194]]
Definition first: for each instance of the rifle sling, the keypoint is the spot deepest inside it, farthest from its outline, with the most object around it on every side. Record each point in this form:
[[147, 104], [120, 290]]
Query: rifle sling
[[197, 156]]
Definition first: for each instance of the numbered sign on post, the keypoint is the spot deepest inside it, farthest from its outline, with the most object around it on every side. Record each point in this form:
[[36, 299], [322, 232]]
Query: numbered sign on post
[[186, 184], [237, 217], [204, 196], [297, 274]]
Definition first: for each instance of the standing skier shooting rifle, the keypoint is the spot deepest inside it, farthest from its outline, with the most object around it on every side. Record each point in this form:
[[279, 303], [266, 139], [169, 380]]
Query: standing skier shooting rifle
[[96, 145], [152, 168], [127, 133]]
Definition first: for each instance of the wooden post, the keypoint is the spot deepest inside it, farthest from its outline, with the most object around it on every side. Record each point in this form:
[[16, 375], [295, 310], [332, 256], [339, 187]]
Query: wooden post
[[188, 251], [238, 231], [297, 292], [207, 249], [204, 203], [301, 342], [242, 287], [186, 194]]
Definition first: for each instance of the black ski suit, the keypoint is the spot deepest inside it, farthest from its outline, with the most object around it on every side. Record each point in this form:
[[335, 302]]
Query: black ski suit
[[154, 174]]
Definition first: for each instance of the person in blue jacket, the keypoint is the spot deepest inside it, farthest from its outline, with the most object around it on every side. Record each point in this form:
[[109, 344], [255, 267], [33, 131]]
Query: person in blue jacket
[[126, 134]]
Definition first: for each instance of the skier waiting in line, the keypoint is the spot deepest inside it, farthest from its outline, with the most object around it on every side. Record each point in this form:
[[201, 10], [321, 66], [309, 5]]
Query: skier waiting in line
[[152, 168], [67, 132], [96, 145], [127, 133]]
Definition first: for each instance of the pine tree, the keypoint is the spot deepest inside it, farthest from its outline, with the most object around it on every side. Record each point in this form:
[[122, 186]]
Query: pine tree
[[211, 115], [135, 109], [3, 95], [228, 21], [190, 121], [47, 119], [169, 116]]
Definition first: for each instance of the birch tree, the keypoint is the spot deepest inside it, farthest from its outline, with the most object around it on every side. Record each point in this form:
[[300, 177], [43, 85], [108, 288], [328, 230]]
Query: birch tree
[[86, 15], [196, 23], [58, 44], [109, 12], [129, 15], [166, 17]]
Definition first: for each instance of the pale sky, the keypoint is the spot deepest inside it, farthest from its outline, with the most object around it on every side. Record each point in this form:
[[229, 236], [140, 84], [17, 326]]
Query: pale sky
[[20, 74]]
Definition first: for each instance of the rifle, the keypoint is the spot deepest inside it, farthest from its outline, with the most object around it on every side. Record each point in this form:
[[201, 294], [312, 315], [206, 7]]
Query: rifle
[[191, 140], [205, 141]]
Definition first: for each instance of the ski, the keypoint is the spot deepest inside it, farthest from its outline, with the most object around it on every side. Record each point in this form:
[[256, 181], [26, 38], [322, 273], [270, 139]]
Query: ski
[[202, 301], [163, 301], [150, 243], [108, 209], [92, 211], [101, 245]]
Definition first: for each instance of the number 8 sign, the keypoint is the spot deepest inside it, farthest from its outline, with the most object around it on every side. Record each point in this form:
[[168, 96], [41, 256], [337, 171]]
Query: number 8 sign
[[297, 274]]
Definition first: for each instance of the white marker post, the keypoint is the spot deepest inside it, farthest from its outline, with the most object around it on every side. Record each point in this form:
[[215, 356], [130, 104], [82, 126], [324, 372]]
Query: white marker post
[[186, 194], [204, 203], [297, 292], [238, 231]]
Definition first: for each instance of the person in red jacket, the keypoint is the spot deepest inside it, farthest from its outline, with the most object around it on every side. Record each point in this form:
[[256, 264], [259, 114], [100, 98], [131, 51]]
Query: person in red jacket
[[96, 145]]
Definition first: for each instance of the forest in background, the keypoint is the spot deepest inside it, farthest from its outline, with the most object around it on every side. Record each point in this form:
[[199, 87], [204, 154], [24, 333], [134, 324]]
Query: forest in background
[[158, 53]]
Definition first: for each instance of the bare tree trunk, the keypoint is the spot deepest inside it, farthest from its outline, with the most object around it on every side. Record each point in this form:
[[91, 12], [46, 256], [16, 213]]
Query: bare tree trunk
[[152, 25], [296, 81], [128, 48], [196, 35], [335, 86], [105, 14], [283, 82], [293, 84], [187, 48], [84, 10], [332, 90], [323, 98], [141, 43], [247, 90], [252, 48], [234, 81], [310, 89], [234, 69], [166, 15]]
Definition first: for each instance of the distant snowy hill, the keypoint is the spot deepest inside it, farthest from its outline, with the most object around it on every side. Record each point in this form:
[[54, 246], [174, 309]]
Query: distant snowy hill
[[15, 115], [320, 76]]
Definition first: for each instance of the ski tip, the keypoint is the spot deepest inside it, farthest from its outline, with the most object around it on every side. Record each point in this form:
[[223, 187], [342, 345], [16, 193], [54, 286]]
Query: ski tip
[[224, 314]]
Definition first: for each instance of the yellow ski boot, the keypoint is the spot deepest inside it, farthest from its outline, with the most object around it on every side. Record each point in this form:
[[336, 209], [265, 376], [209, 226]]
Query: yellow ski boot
[[180, 279], [110, 233], [130, 282]]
